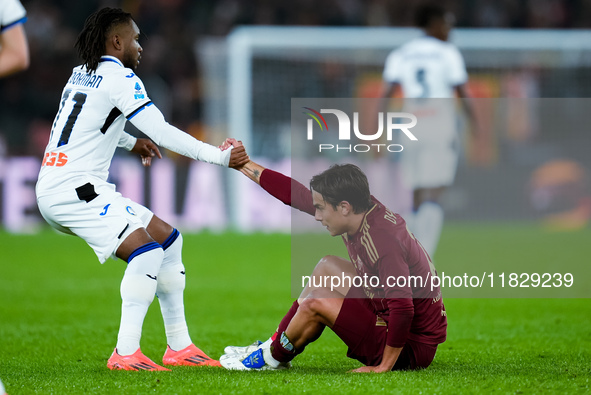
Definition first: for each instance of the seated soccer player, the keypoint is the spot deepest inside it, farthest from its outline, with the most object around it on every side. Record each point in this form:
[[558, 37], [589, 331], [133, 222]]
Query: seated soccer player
[[385, 327]]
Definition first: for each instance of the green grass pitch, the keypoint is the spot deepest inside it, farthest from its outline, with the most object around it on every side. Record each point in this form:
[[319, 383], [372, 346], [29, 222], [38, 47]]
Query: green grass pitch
[[59, 315]]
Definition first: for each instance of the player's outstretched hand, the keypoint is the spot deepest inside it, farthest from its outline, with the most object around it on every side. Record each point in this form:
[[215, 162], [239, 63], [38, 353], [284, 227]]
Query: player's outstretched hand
[[230, 142], [238, 157], [147, 150], [226, 144]]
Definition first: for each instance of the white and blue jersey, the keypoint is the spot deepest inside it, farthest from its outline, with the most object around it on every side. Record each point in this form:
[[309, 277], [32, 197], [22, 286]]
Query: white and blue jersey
[[12, 13], [428, 71], [426, 67], [89, 124], [73, 194]]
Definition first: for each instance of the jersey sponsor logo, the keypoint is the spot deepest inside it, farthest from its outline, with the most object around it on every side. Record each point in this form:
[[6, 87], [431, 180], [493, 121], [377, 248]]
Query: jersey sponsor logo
[[130, 75], [130, 210], [380, 321], [54, 159], [105, 209], [394, 121], [87, 80], [139, 94]]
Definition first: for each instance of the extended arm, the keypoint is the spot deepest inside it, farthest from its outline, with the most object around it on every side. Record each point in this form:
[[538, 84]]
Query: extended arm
[[152, 123], [14, 50], [253, 171], [280, 186]]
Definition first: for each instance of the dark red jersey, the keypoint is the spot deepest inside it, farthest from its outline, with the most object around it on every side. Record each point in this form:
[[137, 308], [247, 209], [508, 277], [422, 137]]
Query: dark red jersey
[[394, 268]]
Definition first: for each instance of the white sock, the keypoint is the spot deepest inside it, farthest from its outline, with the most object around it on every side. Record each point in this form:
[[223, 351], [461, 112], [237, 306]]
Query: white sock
[[171, 285], [268, 357], [427, 223], [267, 343], [137, 292]]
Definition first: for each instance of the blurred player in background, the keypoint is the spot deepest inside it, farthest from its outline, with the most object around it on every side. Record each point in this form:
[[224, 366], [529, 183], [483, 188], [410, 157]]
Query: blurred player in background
[[74, 196], [14, 50], [429, 67], [385, 327]]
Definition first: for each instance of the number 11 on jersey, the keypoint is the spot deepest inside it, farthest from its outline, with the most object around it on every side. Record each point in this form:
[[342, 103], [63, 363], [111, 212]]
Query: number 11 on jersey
[[79, 99]]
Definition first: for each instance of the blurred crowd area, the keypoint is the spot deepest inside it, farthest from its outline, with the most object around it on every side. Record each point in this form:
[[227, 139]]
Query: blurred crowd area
[[172, 27]]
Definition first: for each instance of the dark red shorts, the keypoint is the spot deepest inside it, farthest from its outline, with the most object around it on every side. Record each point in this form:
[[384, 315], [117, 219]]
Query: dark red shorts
[[365, 335]]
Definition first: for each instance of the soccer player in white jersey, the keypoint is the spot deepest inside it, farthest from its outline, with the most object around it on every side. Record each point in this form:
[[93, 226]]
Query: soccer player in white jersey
[[74, 196], [14, 50], [429, 67]]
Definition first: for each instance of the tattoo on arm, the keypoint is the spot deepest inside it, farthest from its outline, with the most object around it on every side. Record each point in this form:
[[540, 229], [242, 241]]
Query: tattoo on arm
[[252, 171]]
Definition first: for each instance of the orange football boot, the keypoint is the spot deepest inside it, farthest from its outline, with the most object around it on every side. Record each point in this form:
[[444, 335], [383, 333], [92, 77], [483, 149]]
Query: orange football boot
[[189, 356], [135, 361]]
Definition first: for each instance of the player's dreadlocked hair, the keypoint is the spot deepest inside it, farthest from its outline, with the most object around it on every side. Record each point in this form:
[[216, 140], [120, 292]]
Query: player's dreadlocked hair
[[91, 40], [343, 182]]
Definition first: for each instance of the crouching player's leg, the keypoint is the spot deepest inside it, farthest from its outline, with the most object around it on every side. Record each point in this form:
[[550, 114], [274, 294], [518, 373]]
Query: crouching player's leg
[[170, 288], [353, 319], [365, 334], [311, 299], [138, 287]]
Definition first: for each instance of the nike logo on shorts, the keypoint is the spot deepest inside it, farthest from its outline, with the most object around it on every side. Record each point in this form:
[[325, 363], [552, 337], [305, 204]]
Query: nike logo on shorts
[[152, 277]]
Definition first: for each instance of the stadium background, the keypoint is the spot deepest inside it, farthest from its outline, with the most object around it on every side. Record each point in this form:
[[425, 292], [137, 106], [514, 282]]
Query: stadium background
[[185, 69]]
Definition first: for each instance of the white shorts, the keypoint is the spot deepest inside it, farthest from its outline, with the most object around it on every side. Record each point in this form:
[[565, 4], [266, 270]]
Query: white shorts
[[103, 222], [431, 162], [429, 166]]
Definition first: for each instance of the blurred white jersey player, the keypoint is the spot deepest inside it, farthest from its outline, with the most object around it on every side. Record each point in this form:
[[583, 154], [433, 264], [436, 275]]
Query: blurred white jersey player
[[14, 50], [430, 71]]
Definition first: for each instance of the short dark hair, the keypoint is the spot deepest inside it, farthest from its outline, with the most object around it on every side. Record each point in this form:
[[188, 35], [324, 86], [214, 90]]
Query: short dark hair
[[92, 39], [428, 13], [343, 182]]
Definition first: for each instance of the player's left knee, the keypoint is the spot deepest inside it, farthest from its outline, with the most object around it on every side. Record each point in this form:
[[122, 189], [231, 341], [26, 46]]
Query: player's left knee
[[171, 279], [314, 305], [332, 265]]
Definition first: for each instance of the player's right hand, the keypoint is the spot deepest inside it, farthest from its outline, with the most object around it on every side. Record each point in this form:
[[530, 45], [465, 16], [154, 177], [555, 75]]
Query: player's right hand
[[238, 156]]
